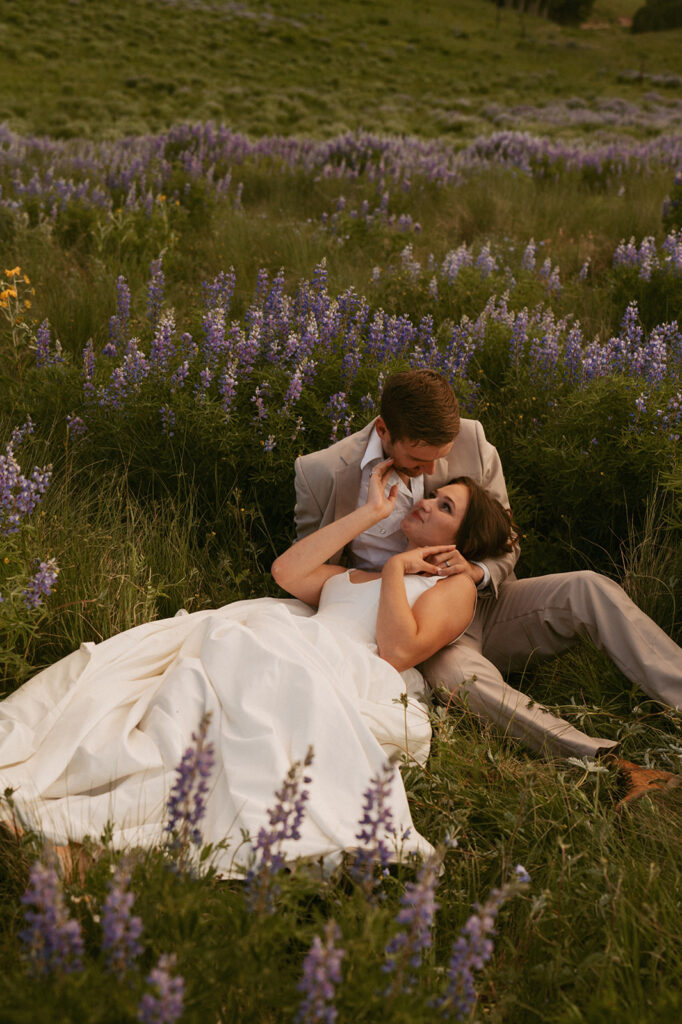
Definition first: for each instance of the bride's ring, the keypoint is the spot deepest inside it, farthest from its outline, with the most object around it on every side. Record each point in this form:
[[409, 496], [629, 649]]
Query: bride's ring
[[447, 563]]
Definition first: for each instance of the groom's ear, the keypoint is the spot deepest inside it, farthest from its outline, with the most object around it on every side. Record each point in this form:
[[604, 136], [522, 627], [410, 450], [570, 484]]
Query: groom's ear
[[382, 429]]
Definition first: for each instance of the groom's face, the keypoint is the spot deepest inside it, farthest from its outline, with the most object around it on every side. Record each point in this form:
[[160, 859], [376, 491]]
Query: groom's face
[[411, 458]]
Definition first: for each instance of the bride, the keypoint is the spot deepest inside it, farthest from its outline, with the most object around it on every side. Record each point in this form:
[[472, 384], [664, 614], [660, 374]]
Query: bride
[[94, 740]]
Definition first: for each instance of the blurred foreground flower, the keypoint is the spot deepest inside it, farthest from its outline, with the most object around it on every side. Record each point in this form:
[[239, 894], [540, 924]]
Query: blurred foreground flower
[[474, 948], [285, 820], [121, 929], [187, 805], [52, 939], [321, 975], [164, 1004]]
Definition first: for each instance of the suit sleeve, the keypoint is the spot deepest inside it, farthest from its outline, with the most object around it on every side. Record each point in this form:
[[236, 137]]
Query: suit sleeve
[[308, 511], [492, 479]]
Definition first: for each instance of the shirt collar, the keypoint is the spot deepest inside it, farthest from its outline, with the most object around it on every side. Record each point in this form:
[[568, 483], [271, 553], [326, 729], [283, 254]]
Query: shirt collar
[[374, 451]]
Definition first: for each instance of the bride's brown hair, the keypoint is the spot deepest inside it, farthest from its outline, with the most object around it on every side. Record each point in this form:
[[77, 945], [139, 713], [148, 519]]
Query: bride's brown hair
[[487, 529]]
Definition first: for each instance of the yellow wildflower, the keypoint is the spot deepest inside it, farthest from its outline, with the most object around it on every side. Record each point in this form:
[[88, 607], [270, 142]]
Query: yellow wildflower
[[13, 273], [27, 303], [27, 280]]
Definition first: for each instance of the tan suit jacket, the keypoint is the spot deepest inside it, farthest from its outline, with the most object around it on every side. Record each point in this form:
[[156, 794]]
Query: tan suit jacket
[[328, 483]]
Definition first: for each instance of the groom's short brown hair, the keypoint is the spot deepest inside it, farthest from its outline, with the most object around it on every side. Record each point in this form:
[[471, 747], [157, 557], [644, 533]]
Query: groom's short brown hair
[[420, 405]]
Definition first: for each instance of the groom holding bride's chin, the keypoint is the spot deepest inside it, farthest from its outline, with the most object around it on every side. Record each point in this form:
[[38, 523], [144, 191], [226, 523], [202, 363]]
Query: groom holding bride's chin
[[420, 429]]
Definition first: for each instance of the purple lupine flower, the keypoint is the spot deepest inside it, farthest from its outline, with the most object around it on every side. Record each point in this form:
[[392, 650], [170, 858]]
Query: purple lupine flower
[[337, 407], [227, 386], [162, 347], [167, 420], [89, 365], [519, 338], [257, 399], [585, 269], [186, 804], [76, 426], [269, 444], [474, 948], [121, 930], [554, 282], [41, 584], [573, 351], [122, 305], [204, 382], [119, 322], [546, 269], [648, 258], [19, 494], [319, 280], [285, 820], [44, 357], [164, 1004], [485, 261], [110, 350], [368, 405], [321, 976], [409, 264], [528, 261], [179, 375], [294, 390], [376, 823], [214, 333], [52, 939], [418, 908], [454, 261], [219, 291], [155, 289]]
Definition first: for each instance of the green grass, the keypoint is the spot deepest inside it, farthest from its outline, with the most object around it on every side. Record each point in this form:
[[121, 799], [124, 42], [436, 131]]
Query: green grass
[[75, 68]]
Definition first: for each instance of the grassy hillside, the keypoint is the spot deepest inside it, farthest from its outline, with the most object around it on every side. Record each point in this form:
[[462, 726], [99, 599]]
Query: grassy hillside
[[91, 67]]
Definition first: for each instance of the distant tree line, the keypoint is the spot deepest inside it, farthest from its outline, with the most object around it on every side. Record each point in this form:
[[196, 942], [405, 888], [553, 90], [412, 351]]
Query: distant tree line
[[657, 15], [567, 12]]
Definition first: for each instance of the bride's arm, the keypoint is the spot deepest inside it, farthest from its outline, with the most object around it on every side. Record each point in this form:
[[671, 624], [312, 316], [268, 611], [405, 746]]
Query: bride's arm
[[302, 570], [407, 636]]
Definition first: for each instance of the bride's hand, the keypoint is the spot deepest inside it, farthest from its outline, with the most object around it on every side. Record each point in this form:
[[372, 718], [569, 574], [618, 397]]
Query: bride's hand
[[377, 499], [415, 560]]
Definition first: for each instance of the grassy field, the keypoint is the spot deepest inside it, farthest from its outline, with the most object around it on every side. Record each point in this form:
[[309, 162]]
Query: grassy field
[[390, 184], [437, 68]]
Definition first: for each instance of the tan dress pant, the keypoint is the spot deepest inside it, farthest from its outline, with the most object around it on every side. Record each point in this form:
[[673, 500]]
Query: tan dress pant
[[542, 617]]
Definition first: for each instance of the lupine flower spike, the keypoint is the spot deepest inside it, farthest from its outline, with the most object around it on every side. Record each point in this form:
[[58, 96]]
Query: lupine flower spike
[[377, 823], [321, 976], [187, 805], [164, 1004], [474, 948], [52, 939], [418, 908], [121, 929], [285, 820]]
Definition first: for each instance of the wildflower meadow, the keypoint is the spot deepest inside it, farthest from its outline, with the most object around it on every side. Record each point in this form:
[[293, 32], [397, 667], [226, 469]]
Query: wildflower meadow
[[222, 225]]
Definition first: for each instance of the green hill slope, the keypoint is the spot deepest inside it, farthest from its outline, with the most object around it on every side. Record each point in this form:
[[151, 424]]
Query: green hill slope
[[74, 67]]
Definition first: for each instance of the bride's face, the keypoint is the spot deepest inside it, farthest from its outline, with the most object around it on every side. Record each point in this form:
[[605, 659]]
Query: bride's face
[[437, 519]]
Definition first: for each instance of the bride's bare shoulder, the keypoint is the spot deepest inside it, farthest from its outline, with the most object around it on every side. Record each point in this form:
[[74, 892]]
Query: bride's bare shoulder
[[362, 575]]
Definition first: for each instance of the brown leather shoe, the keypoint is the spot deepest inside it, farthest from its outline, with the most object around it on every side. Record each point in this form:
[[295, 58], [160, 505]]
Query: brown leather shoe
[[637, 781]]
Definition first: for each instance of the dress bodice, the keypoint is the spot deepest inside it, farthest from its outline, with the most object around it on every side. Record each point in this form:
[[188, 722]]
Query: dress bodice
[[353, 607]]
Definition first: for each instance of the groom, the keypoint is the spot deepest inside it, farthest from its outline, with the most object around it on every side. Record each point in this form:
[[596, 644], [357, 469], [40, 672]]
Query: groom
[[420, 428]]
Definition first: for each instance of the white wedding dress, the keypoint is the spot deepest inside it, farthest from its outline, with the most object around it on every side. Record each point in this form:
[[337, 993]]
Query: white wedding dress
[[97, 737]]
